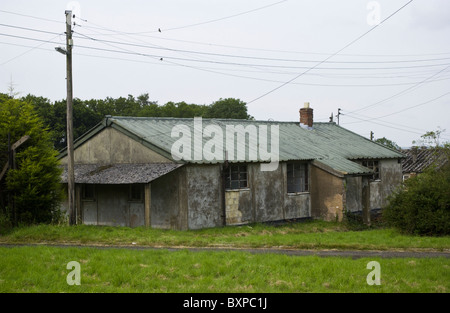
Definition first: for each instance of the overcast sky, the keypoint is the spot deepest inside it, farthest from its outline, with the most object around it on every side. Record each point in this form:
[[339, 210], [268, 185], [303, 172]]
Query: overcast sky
[[388, 70]]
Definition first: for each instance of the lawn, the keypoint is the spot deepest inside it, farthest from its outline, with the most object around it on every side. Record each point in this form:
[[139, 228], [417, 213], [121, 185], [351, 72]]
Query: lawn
[[44, 269], [303, 235]]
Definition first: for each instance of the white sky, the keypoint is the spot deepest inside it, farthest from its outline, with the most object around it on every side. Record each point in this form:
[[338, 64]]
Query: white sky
[[393, 81]]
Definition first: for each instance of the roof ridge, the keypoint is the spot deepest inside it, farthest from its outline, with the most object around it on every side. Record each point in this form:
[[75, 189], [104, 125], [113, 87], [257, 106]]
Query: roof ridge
[[211, 118]]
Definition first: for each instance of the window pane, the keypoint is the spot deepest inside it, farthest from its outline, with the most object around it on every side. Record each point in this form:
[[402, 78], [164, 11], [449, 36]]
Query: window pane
[[290, 181], [136, 192], [234, 184], [290, 170], [290, 188]]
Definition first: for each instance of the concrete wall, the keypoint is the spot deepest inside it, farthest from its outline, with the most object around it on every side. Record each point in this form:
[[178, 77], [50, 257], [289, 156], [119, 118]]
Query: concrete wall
[[327, 195], [204, 196], [390, 179], [191, 198], [111, 147], [353, 196], [266, 198], [168, 208]]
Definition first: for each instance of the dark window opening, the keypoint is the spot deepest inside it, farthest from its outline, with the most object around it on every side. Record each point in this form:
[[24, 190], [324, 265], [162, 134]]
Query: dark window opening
[[297, 177], [136, 192], [236, 177], [373, 165], [88, 192]]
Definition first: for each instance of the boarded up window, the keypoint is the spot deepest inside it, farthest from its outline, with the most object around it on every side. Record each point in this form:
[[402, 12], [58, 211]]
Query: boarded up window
[[297, 177], [236, 177]]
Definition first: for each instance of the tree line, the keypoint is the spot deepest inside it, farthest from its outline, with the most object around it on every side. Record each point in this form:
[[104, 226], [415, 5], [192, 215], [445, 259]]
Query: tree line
[[88, 113]]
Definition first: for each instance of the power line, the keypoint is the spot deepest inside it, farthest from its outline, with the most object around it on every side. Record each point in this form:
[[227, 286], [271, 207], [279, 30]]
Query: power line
[[250, 64], [401, 111], [216, 62], [400, 127], [32, 48], [31, 16], [417, 85], [29, 29], [236, 63], [255, 49], [205, 22], [259, 58], [349, 44]]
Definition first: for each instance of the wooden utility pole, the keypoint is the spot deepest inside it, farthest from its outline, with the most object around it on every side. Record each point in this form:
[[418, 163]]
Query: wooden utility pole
[[339, 113], [70, 154]]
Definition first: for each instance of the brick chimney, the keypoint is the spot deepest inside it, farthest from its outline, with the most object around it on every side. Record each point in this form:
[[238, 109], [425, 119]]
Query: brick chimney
[[306, 116]]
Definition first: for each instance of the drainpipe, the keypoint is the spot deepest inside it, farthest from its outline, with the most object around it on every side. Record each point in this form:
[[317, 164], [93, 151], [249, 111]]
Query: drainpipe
[[224, 168]]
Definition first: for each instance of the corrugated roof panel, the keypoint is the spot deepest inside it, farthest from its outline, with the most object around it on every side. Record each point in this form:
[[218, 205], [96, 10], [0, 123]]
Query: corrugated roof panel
[[344, 166], [325, 141]]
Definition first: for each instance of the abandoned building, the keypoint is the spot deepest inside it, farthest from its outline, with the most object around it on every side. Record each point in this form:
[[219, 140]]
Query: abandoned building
[[133, 171], [418, 159]]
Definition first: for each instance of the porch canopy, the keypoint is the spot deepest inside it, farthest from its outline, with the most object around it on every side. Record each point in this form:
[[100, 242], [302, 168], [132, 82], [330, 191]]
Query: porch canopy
[[116, 174]]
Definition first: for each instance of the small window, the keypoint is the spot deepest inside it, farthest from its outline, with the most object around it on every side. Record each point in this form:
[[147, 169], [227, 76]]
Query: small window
[[136, 192], [373, 165], [297, 177], [88, 192], [236, 177]]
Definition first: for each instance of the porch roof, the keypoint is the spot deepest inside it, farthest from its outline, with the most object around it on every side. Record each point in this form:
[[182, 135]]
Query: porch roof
[[119, 173]]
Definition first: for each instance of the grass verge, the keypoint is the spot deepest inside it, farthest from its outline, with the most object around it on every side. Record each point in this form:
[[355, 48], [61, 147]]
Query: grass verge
[[43, 269], [303, 235]]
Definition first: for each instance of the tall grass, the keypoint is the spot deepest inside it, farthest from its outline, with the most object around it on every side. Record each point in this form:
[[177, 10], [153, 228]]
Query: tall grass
[[305, 235]]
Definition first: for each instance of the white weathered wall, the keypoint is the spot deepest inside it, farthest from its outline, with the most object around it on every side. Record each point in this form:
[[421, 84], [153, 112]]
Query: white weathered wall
[[112, 147]]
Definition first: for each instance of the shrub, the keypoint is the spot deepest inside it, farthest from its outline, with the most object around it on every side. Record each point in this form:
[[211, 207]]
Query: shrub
[[422, 205]]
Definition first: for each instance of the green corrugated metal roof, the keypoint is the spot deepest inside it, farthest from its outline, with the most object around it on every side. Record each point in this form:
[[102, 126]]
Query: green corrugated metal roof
[[341, 166], [327, 143]]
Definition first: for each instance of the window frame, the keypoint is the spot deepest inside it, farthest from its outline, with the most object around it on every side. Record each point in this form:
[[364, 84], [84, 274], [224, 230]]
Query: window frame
[[132, 193], [292, 185], [238, 171], [374, 165]]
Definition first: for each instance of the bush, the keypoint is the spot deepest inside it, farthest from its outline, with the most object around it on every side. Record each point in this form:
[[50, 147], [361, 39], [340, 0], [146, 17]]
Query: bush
[[422, 205]]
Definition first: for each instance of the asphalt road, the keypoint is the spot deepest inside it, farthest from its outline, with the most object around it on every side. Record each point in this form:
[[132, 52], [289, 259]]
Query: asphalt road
[[354, 254]]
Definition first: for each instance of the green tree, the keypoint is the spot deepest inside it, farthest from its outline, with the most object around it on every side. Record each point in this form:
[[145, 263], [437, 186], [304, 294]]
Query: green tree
[[388, 143], [35, 181], [228, 108], [430, 138]]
